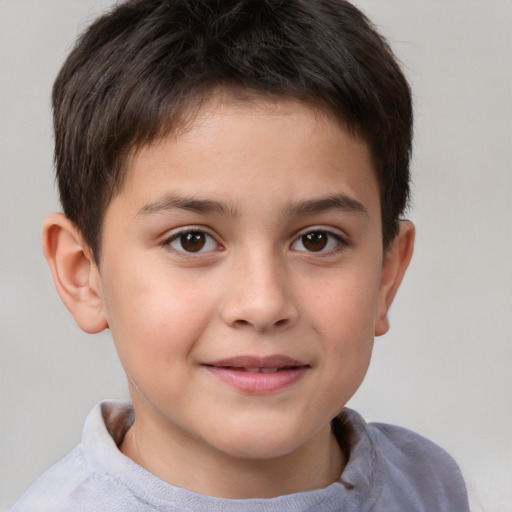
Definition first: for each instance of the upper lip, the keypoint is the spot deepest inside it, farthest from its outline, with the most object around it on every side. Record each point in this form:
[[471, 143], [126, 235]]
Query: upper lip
[[246, 361]]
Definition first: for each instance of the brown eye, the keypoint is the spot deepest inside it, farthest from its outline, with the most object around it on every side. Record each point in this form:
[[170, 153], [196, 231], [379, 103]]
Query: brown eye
[[319, 241], [192, 242], [315, 241]]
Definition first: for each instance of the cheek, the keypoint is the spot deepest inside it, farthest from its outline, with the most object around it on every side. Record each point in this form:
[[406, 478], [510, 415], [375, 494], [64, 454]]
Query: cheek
[[344, 316], [346, 309], [155, 318]]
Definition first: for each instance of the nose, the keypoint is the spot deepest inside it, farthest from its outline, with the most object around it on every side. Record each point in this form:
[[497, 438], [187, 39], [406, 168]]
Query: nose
[[260, 296]]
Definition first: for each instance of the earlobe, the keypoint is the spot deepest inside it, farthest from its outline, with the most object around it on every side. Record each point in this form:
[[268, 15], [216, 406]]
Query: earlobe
[[75, 274], [395, 263]]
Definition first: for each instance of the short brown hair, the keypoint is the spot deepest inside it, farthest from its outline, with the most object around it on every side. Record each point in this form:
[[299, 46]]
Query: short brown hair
[[137, 70]]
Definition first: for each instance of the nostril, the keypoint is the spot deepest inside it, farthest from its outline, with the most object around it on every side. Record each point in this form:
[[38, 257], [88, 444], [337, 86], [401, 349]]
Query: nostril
[[241, 323]]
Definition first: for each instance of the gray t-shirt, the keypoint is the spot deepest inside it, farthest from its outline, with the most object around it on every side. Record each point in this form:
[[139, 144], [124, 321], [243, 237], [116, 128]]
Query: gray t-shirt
[[390, 469]]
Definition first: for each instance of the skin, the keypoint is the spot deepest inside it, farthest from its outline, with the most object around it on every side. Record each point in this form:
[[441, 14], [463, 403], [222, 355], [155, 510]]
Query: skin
[[256, 287]]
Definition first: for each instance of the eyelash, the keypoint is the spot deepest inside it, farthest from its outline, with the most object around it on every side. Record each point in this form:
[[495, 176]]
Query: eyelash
[[190, 231], [331, 237]]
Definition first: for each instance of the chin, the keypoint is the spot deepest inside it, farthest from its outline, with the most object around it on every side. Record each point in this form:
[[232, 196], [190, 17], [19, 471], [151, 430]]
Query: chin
[[257, 442], [254, 451]]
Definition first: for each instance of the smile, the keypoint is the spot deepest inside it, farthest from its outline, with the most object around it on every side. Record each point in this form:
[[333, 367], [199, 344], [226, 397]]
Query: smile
[[258, 375], [257, 369]]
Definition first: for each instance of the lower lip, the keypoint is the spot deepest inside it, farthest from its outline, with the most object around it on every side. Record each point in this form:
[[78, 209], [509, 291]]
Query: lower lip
[[258, 383]]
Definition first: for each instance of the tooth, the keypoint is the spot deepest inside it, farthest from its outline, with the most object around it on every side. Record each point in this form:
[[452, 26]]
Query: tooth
[[269, 370], [252, 370]]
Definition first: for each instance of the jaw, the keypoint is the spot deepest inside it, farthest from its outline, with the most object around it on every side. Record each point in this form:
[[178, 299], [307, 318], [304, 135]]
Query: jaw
[[267, 467]]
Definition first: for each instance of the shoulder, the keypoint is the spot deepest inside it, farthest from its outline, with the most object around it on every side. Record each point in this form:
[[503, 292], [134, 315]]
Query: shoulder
[[53, 489], [407, 448], [77, 482], [413, 471]]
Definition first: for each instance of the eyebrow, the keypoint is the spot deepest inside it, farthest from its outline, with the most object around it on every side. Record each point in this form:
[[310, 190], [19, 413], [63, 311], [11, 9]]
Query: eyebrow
[[340, 202], [193, 204]]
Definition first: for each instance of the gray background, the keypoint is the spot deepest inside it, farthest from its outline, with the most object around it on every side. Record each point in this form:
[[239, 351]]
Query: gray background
[[444, 370]]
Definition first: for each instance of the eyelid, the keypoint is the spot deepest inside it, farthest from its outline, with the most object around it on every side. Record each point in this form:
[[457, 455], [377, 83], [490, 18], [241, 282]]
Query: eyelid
[[176, 233], [341, 238]]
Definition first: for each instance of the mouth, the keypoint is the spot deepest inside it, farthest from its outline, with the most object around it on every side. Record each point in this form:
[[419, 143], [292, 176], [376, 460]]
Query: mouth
[[258, 375], [259, 369]]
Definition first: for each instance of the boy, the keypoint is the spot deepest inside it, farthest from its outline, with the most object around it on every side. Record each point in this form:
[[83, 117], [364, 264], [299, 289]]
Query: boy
[[233, 176]]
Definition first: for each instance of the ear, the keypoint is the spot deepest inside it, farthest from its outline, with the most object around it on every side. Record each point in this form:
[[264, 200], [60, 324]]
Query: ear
[[75, 274], [395, 263]]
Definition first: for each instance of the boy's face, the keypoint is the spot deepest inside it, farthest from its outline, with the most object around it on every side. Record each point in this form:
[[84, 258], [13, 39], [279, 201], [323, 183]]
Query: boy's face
[[240, 277]]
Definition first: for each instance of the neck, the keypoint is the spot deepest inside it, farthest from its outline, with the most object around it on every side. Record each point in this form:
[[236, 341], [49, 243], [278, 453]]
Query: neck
[[185, 462]]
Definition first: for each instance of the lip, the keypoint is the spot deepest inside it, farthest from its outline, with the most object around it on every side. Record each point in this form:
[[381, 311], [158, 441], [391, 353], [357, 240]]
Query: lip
[[258, 375]]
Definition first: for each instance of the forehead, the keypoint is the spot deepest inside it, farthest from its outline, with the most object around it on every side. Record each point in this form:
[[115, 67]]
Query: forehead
[[231, 145]]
